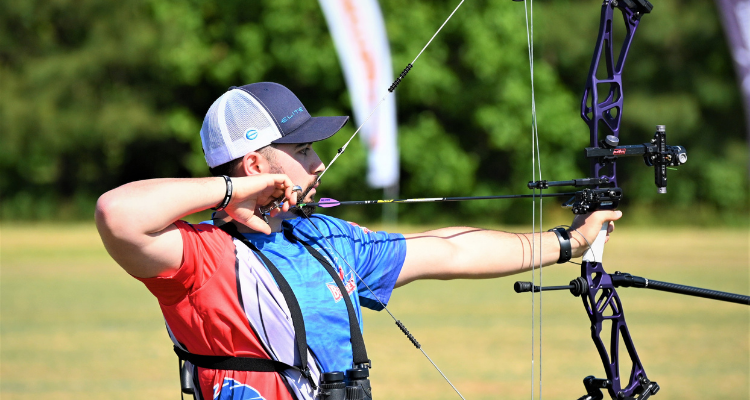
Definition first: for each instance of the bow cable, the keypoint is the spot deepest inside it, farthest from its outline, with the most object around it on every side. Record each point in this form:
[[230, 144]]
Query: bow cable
[[267, 209]]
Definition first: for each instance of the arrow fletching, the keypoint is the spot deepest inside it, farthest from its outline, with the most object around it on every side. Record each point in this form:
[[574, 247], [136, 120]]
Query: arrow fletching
[[326, 202]]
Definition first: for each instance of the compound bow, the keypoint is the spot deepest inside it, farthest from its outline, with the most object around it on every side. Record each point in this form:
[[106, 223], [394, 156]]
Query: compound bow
[[603, 116], [596, 287]]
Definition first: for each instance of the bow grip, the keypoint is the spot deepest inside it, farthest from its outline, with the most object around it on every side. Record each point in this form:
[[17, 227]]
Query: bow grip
[[596, 250]]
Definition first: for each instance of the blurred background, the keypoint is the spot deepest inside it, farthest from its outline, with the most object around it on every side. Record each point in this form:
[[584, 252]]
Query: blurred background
[[95, 94]]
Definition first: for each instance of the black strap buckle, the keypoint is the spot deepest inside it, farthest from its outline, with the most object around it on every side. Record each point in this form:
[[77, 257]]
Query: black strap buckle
[[306, 373]]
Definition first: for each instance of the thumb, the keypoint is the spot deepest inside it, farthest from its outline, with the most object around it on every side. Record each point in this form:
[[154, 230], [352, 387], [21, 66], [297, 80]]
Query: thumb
[[614, 215], [257, 224], [248, 218], [609, 215]]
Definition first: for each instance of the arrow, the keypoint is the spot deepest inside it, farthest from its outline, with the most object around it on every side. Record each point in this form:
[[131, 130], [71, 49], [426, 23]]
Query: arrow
[[326, 202]]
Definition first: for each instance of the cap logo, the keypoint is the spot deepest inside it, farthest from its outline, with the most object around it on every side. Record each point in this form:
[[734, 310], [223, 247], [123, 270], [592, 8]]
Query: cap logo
[[251, 134], [288, 117]]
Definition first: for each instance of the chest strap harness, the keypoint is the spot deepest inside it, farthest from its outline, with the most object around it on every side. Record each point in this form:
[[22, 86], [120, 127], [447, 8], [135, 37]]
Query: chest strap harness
[[359, 353], [232, 363]]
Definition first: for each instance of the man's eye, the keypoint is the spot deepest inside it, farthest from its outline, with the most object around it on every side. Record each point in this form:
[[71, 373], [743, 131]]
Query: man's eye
[[304, 151]]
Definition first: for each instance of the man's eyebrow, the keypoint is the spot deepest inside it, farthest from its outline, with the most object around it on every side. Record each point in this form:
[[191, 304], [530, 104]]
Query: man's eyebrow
[[302, 145]]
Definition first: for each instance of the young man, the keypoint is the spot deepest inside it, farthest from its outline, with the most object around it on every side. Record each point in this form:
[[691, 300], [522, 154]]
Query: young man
[[224, 286]]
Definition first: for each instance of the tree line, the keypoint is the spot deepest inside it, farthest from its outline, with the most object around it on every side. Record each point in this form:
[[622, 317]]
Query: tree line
[[94, 94]]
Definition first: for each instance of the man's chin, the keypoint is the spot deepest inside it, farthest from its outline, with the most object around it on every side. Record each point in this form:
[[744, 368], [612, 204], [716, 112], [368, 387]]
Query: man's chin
[[309, 197], [304, 211]]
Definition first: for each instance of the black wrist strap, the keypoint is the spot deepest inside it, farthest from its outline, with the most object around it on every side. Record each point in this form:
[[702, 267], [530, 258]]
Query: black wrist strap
[[565, 248], [227, 195]]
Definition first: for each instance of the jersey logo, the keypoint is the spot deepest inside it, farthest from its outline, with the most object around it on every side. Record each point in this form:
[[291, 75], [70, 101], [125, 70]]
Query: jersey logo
[[348, 285], [233, 390], [364, 229]]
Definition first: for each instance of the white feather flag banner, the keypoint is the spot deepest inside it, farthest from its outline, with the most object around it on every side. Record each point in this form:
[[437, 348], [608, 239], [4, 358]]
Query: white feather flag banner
[[359, 34], [736, 17]]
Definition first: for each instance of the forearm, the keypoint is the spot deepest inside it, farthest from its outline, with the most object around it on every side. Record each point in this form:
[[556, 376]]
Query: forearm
[[462, 252], [150, 206], [471, 253]]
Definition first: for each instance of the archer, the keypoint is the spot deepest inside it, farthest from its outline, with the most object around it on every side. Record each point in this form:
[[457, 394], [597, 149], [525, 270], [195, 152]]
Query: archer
[[254, 306]]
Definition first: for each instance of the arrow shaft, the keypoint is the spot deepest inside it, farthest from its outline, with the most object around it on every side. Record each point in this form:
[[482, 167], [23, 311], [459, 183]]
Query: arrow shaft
[[432, 199]]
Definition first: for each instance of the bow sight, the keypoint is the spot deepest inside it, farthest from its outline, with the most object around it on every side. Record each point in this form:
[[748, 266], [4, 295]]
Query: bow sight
[[655, 154]]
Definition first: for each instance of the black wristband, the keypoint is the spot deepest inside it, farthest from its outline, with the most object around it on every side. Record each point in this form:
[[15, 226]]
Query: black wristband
[[565, 249], [227, 196]]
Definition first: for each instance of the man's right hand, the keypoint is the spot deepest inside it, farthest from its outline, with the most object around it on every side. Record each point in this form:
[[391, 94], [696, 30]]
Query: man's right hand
[[253, 192]]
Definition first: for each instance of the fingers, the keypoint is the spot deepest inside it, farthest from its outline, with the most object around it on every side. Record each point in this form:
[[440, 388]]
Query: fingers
[[282, 185], [589, 226], [247, 217], [260, 191], [258, 224], [291, 196], [284, 188]]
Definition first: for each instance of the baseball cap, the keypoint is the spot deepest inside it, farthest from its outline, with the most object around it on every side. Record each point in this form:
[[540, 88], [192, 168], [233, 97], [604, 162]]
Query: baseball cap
[[250, 117]]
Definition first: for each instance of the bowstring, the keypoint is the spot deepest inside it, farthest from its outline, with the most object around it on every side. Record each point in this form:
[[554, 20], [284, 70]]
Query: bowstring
[[536, 170]]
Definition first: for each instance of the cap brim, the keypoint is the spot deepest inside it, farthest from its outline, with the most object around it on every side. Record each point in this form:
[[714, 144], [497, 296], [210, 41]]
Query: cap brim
[[314, 130]]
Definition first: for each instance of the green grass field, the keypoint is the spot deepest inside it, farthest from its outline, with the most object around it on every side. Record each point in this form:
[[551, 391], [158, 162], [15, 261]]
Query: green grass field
[[75, 326]]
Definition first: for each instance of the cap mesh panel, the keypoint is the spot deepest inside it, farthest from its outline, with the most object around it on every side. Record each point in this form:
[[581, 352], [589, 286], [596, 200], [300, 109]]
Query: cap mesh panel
[[210, 128], [224, 129], [241, 114]]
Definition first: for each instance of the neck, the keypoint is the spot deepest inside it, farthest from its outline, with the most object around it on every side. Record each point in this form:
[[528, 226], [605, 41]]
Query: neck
[[274, 222]]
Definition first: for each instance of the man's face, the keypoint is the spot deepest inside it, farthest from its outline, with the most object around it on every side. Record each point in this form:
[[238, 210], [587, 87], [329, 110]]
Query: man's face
[[301, 164]]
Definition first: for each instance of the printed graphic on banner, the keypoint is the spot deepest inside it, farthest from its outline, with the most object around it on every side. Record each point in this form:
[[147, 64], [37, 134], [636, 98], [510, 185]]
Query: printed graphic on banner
[[234, 390], [348, 284]]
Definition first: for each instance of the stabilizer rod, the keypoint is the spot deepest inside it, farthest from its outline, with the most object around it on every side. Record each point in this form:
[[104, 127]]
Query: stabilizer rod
[[620, 279]]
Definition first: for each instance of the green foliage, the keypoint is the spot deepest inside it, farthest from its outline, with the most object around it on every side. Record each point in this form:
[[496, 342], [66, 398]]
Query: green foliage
[[94, 94]]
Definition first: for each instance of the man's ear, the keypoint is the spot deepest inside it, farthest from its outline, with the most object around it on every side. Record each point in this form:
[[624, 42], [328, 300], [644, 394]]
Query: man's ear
[[253, 163]]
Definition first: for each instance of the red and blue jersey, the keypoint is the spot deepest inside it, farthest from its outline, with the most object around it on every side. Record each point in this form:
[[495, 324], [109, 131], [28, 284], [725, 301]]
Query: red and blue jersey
[[223, 301]]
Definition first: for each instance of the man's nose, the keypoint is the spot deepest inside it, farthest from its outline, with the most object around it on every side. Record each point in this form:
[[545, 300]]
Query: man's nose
[[317, 165]]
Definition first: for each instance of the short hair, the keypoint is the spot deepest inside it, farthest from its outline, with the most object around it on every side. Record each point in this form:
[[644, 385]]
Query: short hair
[[229, 168]]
